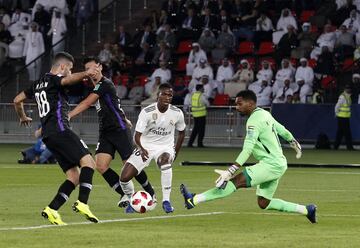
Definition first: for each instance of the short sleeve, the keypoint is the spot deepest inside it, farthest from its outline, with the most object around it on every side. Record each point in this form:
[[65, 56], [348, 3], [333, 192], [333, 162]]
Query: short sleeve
[[56, 79], [180, 124], [29, 92], [100, 89], [142, 122]]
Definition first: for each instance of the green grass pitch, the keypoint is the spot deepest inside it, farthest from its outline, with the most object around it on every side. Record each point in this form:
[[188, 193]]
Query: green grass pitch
[[235, 221]]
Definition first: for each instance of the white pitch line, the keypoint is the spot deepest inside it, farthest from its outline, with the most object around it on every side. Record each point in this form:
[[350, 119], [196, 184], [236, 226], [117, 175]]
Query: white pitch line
[[111, 221], [283, 214]]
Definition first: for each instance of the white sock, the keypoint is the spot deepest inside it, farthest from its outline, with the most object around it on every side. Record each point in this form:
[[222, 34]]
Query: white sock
[[198, 198], [166, 179], [301, 209], [127, 187]]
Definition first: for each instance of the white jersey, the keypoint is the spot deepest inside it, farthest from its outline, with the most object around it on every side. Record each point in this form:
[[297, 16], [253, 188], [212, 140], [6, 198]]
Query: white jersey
[[158, 129]]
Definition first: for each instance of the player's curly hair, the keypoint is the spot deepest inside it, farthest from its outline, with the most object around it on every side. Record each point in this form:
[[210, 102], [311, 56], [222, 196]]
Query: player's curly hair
[[247, 95], [164, 86]]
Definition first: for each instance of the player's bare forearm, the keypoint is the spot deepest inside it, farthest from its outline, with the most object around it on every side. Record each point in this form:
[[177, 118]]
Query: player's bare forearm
[[137, 140], [74, 78], [18, 104], [84, 105], [179, 141]]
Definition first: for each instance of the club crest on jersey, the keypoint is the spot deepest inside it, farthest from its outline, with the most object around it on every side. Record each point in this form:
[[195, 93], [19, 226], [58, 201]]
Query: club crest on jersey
[[154, 116], [172, 123]]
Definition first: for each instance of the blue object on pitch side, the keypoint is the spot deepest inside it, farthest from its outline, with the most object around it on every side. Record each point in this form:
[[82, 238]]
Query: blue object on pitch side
[[311, 208], [188, 197], [167, 207]]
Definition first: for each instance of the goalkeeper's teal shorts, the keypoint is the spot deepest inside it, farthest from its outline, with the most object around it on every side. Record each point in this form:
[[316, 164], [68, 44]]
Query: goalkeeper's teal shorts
[[266, 177]]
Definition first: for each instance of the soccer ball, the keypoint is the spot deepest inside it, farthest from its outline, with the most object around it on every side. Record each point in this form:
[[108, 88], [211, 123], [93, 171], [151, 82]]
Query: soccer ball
[[141, 202]]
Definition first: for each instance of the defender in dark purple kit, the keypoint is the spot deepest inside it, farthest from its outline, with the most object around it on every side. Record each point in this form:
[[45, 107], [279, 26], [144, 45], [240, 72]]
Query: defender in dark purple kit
[[69, 150]]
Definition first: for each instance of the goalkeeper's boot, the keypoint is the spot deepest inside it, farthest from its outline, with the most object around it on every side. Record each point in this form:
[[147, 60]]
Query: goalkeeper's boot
[[53, 216], [85, 210], [188, 197], [124, 201], [167, 207], [311, 215]]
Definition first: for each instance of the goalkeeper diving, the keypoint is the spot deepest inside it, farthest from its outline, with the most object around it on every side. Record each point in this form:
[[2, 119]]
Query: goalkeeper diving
[[262, 141]]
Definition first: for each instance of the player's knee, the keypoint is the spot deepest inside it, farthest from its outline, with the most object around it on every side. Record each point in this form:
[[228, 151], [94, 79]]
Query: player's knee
[[263, 202], [163, 159], [87, 161], [101, 167]]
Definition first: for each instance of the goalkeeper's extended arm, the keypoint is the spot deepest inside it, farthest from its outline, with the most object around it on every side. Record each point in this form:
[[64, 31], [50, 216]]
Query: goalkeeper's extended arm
[[226, 175], [285, 134]]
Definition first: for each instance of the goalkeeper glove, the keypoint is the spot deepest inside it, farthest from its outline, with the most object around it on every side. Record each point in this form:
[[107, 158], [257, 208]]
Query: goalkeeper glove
[[296, 146], [225, 176]]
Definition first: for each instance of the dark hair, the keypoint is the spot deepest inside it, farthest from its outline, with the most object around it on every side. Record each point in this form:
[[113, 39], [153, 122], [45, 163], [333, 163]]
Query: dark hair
[[199, 87], [63, 55], [165, 86], [90, 59], [247, 95]]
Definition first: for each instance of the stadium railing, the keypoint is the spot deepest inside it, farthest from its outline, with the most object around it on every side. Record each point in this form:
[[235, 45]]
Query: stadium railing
[[224, 126]]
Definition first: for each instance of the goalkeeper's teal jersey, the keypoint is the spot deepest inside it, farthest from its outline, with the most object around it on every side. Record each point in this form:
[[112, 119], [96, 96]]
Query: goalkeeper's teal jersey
[[262, 139]]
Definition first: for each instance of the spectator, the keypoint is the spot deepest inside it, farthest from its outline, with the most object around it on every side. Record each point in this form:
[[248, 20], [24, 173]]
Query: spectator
[[34, 47], [265, 72], [162, 54], [286, 72], [163, 21], [302, 90], [190, 26], [285, 20], [306, 72], [325, 64], [283, 93], [353, 22], [195, 55], [209, 21], [264, 29], [152, 92], [145, 36], [342, 12], [167, 36], [223, 18], [240, 80], [180, 91], [318, 96], [83, 10], [345, 44], [122, 38], [5, 35], [163, 72], [225, 72], [200, 71], [207, 40], [57, 31], [287, 42], [4, 53], [327, 38], [105, 56], [4, 18], [226, 38], [306, 40], [263, 93], [143, 59], [43, 19]]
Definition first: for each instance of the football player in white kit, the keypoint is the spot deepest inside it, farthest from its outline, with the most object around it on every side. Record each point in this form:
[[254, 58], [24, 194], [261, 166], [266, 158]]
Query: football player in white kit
[[154, 138]]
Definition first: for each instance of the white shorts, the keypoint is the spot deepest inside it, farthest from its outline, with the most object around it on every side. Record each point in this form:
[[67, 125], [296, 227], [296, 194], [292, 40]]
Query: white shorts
[[136, 160]]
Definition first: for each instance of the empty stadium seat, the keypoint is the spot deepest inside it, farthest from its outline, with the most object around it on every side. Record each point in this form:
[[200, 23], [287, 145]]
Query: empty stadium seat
[[348, 64], [312, 63], [181, 64], [246, 47], [265, 48], [328, 82], [143, 79], [306, 14], [184, 47], [221, 100]]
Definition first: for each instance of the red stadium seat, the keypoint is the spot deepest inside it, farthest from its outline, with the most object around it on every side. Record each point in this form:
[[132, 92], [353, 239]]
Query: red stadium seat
[[312, 63], [184, 47], [221, 100], [143, 79], [124, 80], [187, 80], [265, 48], [246, 47], [348, 64], [181, 64], [306, 14], [328, 82], [294, 62]]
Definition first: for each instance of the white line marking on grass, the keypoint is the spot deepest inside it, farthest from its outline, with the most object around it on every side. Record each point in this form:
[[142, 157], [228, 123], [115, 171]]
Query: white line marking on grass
[[282, 214], [113, 220]]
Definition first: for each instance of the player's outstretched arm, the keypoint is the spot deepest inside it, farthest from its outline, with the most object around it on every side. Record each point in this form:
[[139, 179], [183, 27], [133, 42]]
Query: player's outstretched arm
[[179, 141], [84, 105], [285, 134], [79, 76], [19, 108]]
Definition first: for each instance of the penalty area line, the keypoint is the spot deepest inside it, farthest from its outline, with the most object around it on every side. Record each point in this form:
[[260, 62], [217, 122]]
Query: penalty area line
[[111, 221]]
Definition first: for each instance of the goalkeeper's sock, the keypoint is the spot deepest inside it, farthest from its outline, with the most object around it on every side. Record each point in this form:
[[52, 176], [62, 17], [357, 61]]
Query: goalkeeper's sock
[[112, 178], [214, 193], [166, 179], [284, 206], [63, 195]]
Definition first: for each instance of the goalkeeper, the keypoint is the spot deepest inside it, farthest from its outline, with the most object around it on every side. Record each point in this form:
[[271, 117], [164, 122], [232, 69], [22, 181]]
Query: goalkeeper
[[262, 141]]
